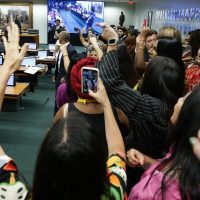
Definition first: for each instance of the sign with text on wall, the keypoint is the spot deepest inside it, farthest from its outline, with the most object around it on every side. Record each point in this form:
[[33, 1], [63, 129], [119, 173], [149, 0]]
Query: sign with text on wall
[[185, 20]]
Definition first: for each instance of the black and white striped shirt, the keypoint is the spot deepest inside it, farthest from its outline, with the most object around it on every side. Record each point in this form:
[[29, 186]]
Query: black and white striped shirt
[[148, 116]]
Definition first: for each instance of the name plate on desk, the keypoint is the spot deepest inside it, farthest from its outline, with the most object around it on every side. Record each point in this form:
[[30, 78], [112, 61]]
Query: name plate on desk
[[33, 31]]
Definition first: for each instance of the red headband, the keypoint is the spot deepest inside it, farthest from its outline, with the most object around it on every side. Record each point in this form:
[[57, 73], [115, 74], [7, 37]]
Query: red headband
[[75, 79]]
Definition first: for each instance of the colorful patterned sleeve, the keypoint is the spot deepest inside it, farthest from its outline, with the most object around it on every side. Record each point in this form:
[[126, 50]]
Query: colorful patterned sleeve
[[10, 185], [116, 169]]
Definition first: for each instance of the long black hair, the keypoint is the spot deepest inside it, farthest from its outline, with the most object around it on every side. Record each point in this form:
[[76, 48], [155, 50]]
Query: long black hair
[[71, 163], [172, 48], [194, 41], [182, 163], [164, 79], [126, 62]]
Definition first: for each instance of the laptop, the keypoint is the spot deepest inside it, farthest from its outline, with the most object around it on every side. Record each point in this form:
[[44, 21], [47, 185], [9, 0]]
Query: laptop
[[51, 47], [11, 80], [1, 60], [42, 54], [29, 61], [32, 46]]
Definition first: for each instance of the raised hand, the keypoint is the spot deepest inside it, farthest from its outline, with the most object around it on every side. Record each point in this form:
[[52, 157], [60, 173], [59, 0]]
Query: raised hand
[[144, 32], [108, 32], [13, 57], [101, 94]]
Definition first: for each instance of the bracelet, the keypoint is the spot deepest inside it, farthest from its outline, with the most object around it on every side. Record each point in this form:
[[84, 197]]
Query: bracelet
[[140, 48], [141, 43], [65, 55]]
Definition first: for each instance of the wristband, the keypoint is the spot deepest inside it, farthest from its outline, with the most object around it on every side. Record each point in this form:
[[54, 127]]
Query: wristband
[[112, 42], [65, 55]]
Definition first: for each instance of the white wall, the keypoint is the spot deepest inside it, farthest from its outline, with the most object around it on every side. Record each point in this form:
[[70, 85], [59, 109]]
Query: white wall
[[40, 20], [112, 11], [142, 7], [134, 14]]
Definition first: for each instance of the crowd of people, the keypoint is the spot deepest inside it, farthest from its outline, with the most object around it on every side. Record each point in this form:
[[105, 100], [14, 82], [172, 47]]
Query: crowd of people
[[136, 137]]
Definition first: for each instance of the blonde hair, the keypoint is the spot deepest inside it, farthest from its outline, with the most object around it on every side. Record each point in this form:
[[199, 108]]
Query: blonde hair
[[169, 31]]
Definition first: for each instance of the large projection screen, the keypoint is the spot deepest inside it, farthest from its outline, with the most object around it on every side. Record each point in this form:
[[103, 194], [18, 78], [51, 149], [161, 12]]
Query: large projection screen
[[76, 14]]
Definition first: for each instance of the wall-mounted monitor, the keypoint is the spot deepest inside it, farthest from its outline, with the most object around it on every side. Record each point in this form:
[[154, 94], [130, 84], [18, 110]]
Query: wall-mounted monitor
[[75, 14]]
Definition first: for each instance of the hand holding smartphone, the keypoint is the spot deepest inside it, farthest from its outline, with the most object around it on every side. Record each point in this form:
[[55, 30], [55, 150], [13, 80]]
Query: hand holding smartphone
[[89, 79]]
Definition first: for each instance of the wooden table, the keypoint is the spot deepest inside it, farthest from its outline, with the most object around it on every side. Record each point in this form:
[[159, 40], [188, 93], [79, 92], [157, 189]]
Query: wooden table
[[30, 78], [13, 95], [41, 72], [47, 61], [50, 62]]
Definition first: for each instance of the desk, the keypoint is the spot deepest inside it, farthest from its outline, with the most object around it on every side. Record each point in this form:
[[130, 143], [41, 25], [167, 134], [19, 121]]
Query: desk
[[29, 38], [13, 95], [30, 78], [47, 61], [21, 72]]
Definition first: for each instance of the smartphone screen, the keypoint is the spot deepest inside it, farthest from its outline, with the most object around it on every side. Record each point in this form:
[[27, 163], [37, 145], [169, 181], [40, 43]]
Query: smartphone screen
[[89, 79]]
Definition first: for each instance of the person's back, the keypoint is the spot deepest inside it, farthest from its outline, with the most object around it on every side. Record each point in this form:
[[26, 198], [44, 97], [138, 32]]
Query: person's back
[[72, 160], [86, 106], [67, 178]]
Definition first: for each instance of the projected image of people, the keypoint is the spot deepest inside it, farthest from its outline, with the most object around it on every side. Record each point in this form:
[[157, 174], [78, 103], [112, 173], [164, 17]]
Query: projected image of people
[[75, 14]]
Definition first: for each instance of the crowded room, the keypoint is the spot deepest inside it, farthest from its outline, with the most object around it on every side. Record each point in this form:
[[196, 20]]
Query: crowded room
[[100, 100]]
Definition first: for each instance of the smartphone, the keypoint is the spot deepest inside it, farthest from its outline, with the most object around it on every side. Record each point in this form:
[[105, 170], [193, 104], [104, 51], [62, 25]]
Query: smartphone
[[89, 79], [76, 29]]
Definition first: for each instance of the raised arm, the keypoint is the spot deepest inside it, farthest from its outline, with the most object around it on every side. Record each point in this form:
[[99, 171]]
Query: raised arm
[[139, 62], [93, 41], [113, 135], [136, 106], [82, 39], [13, 57], [65, 56]]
